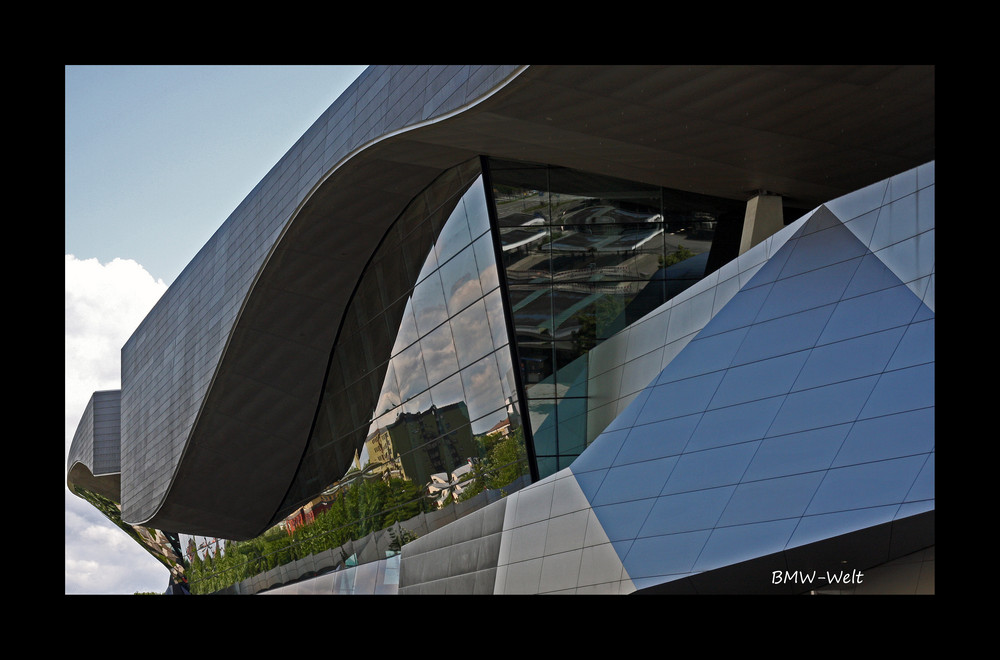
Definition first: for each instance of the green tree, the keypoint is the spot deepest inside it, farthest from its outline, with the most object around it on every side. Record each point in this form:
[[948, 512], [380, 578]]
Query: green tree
[[675, 257], [506, 460]]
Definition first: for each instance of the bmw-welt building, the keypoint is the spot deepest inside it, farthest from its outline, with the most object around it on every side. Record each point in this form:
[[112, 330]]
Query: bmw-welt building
[[551, 330]]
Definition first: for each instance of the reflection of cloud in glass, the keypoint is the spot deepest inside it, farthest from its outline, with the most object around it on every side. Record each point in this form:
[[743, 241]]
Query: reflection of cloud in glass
[[486, 261], [465, 293], [482, 387], [410, 366], [475, 208], [454, 235], [388, 398], [428, 304], [379, 423], [419, 403], [495, 313], [460, 280], [407, 333], [448, 392], [472, 333], [439, 354]]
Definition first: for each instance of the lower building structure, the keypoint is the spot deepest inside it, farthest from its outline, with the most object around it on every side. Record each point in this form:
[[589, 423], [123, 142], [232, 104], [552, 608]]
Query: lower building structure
[[575, 330]]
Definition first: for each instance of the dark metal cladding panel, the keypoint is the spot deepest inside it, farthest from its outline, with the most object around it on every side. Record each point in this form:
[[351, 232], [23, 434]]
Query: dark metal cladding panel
[[170, 362]]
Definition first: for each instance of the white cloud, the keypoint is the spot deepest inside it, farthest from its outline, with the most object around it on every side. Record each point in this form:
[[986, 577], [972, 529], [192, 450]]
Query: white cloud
[[104, 305]]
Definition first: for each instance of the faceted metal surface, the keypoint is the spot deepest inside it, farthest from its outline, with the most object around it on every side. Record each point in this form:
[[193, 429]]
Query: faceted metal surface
[[732, 451]]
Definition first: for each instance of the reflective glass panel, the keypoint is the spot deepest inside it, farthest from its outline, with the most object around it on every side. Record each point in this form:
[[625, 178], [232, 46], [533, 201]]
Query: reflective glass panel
[[429, 309], [420, 408], [438, 351], [471, 331], [585, 256], [460, 281]]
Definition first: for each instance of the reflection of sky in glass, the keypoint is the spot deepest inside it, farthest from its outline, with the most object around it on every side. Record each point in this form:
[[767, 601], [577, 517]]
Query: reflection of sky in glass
[[460, 281], [407, 333], [448, 391], [428, 304], [481, 391], [438, 351], [471, 330], [410, 366], [446, 347], [584, 257], [422, 369]]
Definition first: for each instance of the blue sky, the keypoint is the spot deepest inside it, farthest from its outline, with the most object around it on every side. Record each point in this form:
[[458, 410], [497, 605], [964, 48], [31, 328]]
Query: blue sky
[[156, 159]]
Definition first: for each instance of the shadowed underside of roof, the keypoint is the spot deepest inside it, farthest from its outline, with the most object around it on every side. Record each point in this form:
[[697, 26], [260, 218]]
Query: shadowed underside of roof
[[808, 133]]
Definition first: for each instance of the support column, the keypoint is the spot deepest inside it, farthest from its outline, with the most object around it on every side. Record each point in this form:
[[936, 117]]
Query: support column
[[763, 218]]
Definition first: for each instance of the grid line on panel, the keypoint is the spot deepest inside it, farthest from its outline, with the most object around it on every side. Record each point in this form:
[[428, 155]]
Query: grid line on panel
[[757, 448], [709, 527], [829, 471], [906, 498], [807, 352]]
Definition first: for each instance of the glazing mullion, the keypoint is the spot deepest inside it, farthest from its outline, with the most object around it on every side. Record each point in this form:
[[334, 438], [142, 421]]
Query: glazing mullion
[[509, 318]]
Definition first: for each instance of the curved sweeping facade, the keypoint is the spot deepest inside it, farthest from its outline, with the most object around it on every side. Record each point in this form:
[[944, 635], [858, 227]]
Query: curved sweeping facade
[[189, 366], [657, 340]]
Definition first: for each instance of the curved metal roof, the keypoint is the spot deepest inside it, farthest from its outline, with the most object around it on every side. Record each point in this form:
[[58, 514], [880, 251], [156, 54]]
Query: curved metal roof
[[93, 462], [809, 133]]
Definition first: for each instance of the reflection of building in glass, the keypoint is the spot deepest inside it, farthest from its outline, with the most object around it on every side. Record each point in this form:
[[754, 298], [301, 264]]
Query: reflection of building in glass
[[501, 428], [610, 252], [381, 454], [446, 487], [434, 441], [307, 513], [463, 341]]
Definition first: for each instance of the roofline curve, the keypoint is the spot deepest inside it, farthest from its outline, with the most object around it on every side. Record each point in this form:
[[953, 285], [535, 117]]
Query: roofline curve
[[671, 126], [197, 440]]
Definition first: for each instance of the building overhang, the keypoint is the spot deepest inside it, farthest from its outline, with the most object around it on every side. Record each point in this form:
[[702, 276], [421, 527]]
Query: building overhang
[[807, 133], [105, 485]]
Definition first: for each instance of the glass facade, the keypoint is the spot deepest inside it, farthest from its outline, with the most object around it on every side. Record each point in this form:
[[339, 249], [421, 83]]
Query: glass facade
[[585, 256], [764, 419], [534, 379], [422, 405], [420, 409], [421, 374]]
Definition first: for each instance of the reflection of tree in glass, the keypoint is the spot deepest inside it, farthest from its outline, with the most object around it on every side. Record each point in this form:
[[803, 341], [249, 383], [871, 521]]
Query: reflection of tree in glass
[[598, 320], [506, 459], [607, 311], [585, 337], [676, 257], [363, 506]]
